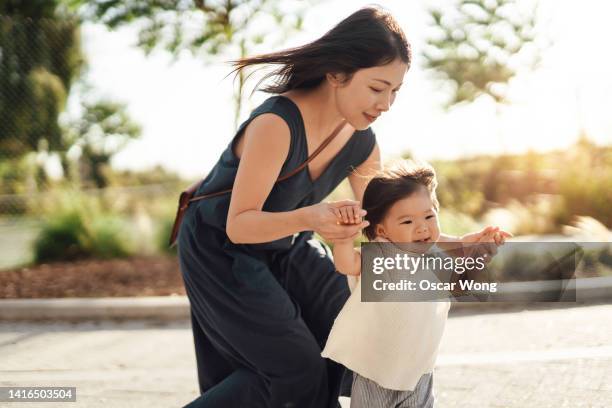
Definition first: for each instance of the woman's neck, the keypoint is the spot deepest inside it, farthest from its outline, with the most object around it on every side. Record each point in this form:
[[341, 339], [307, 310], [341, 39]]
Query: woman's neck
[[318, 109]]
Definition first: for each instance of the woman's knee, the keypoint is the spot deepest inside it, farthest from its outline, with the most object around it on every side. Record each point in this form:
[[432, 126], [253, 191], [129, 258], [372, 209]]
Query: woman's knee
[[303, 386], [304, 371]]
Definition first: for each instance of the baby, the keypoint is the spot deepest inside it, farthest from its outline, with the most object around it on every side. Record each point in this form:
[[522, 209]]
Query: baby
[[391, 347]]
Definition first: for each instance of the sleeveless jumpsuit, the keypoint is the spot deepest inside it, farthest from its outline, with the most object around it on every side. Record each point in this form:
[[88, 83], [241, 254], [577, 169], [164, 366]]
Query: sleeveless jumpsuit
[[261, 313]]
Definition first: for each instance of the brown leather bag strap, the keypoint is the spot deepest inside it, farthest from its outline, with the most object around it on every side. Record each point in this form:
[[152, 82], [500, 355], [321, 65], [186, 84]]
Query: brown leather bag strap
[[187, 196], [286, 176]]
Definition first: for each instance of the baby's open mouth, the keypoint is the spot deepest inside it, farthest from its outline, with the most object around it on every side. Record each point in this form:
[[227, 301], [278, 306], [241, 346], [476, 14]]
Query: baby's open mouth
[[428, 239]]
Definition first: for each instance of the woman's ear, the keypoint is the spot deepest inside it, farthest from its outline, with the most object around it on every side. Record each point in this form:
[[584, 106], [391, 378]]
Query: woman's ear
[[336, 79]]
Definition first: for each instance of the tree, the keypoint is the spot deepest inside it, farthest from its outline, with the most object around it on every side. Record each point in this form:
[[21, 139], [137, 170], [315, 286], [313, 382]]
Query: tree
[[228, 28], [477, 45], [99, 133], [40, 57], [40, 61]]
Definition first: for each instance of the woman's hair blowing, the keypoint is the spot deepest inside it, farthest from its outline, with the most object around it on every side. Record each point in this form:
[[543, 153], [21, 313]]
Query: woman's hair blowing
[[367, 38]]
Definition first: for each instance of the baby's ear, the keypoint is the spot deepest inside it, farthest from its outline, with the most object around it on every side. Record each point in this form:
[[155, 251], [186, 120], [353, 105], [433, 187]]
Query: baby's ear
[[379, 230]]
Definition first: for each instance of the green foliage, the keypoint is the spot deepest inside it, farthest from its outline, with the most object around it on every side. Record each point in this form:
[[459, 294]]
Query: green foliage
[[232, 29], [536, 215], [103, 130], [13, 176], [164, 228], [20, 180], [41, 56], [475, 46], [584, 182], [530, 193], [77, 227], [537, 192], [154, 176], [107, 237], [198, 26], [61, 239], [72, 235], [461, 185], [40, 60]]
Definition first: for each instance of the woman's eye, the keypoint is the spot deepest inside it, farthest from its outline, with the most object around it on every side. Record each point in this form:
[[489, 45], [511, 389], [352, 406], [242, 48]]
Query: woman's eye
[[376, 90]]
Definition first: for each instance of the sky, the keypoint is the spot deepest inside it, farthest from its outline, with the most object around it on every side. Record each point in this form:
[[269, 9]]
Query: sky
[[186, 112]]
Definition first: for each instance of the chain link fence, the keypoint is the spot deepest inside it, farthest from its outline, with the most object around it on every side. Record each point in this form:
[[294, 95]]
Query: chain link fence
[[52, 166]]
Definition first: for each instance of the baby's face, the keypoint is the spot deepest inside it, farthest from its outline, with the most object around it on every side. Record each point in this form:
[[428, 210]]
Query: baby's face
[[412, 219]]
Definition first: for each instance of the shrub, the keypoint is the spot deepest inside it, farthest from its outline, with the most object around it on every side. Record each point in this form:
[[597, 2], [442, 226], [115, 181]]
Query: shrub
[[76, 227], [61, 238], [107, 238]]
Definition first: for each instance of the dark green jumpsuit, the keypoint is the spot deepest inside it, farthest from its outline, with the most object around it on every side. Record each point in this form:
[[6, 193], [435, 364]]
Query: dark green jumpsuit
[[261, 313]]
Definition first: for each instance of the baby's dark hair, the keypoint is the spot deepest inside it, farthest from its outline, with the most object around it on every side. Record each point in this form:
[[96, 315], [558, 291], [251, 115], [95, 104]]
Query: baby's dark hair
[[392, 184]]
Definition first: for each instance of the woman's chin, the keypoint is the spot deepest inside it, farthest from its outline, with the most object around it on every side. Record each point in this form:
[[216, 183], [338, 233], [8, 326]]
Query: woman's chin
[[360, 125]]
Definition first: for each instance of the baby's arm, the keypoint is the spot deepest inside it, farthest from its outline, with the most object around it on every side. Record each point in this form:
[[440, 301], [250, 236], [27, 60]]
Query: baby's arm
[[488, 234], [346, 258], [485, 242]]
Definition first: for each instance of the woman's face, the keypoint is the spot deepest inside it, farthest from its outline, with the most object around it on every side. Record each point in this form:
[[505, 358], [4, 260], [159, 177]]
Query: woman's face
[[369, 92], [411, 219]]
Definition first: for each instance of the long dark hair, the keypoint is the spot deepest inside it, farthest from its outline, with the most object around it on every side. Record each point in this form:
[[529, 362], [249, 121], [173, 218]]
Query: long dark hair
[[367, 38], [392, 184]]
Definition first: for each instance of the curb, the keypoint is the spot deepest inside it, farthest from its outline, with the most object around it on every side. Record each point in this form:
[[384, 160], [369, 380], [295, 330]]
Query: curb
[[177, 307], [154, 307]]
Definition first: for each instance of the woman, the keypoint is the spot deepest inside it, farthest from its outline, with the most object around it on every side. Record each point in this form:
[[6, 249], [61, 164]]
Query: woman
[[263, 292]]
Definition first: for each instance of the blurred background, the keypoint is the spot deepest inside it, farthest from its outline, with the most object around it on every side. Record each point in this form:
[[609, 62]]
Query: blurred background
[[109, 109]]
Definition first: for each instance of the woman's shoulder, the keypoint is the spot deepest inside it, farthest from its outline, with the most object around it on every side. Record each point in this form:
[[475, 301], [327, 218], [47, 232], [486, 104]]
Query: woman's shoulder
[[279, 105], [275, 111]]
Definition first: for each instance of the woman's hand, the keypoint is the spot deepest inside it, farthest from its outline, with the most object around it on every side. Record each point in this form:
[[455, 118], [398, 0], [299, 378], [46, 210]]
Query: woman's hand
[[339, 220]]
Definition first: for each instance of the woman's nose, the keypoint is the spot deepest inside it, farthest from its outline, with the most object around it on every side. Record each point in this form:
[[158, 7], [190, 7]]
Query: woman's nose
[[384, 103], [382, 106]]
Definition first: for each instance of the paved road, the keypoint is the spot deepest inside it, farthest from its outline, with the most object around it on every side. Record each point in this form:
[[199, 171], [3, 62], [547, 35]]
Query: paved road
[[539, 358]]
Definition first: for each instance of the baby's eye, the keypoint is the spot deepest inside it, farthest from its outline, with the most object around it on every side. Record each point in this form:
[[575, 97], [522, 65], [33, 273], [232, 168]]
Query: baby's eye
[[429, 217], [407, 222]]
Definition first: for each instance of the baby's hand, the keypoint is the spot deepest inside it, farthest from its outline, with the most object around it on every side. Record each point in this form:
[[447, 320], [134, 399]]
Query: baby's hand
[[488, 234], [490, 237], [349, 214], [500, 237]]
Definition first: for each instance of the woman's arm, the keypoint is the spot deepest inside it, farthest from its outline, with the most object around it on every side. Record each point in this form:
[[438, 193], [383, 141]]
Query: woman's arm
[[266, 145], [360, 177], [346, 258]]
